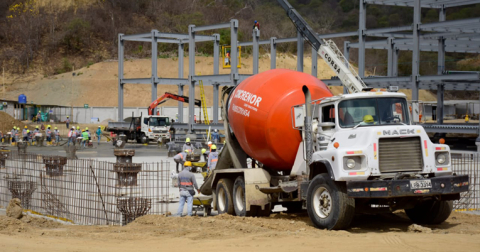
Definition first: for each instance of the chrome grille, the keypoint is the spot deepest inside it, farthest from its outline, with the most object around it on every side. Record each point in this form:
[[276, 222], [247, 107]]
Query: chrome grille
[[400, 154]]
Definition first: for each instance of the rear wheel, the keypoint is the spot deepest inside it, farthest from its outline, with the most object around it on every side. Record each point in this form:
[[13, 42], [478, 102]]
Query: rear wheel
[[239, 202], [224, 196], [430, 212], [328, 205]]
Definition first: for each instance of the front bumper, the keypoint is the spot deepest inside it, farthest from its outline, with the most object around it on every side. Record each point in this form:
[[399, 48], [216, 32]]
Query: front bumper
[[401, 188]]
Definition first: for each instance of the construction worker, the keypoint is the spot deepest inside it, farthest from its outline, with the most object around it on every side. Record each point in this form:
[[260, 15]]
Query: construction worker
[[256, 25], [72, 135], [29, 137], [48, 133], [12, 133], [172, 131], [188, 145], [56, 132], [17, 134], [227, 58], [367, 120], [215, 136], [212, 158], [24, 134], [68, 122], [79, 135], [205, 156], [89, 136], [99, 134], [84, 138], [186, 184], [180, 158], [34, 134]]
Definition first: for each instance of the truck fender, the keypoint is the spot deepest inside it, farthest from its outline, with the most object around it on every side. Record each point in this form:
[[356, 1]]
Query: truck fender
[[319, 167], [253, 178]]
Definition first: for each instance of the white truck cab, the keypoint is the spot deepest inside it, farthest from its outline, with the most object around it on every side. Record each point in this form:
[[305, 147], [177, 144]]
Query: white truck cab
[[370, 135], [156, 127]]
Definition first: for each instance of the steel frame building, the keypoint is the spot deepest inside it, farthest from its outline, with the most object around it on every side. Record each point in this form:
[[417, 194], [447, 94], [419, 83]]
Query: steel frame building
[[442, 36]]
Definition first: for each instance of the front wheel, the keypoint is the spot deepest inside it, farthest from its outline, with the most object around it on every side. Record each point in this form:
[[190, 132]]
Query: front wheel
[[328, 205], [430, 212]]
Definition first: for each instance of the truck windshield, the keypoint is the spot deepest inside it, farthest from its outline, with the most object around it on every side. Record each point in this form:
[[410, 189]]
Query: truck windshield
[[372, 112], [158, 121]]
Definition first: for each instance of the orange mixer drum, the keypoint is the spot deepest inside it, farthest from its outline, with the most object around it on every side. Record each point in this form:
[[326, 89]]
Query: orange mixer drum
[[259, 113]]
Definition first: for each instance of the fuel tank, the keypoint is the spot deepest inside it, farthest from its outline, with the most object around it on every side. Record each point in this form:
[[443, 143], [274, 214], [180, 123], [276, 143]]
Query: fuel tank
[[259, 114]]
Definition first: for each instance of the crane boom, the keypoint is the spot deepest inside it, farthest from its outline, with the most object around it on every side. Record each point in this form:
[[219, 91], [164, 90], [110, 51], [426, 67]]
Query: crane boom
[[327, 50]]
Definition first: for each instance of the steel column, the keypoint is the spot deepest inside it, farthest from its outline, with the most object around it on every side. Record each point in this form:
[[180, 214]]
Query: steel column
[[216, 46], [180, 86], [346, 53], [314, 63], [154, 68], [395, 61], [362, 26], [441, 68], [191, 73], [391, 48], [233, 51], [417, 12], [255, 35], [299, 52], [215, 103], [120, 77], [216, 50], [273, 53]]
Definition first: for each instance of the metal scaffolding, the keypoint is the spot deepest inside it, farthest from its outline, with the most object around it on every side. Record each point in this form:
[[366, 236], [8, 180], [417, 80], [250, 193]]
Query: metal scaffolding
[[460, 36]]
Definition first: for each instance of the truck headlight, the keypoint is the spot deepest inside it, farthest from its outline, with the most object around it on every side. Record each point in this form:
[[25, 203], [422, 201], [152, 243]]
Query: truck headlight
[[441, 158], [351, 163]]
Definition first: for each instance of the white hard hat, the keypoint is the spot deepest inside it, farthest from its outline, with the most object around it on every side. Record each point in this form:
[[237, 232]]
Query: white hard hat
[[209, 142]]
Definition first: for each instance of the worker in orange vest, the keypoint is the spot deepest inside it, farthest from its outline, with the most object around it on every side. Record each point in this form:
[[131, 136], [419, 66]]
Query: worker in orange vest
[[212, 158], [180, 159]]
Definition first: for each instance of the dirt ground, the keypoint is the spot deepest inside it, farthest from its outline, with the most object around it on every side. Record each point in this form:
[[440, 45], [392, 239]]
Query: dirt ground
[[279, 232], [97, 85]]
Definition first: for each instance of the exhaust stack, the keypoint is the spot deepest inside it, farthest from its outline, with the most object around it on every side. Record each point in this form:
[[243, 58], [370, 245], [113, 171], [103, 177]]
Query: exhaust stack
[[308, 127]]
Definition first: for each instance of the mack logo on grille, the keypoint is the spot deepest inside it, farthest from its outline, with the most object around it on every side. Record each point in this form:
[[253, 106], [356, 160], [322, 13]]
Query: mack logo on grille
[[398, 132]]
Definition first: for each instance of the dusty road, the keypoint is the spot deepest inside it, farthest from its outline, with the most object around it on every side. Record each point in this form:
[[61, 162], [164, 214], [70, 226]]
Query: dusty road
[[279, 232]]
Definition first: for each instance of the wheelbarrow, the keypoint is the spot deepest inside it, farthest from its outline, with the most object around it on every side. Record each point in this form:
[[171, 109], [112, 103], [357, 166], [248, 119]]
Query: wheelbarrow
[[202, 165], [202, 203]]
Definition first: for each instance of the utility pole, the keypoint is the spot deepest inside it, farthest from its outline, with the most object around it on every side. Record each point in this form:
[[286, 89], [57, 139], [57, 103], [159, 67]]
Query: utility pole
[[71, 96], [3, 83]]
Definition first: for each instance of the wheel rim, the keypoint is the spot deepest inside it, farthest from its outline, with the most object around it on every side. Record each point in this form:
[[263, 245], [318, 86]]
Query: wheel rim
[[240, 198], [221, 200], [322, 202]]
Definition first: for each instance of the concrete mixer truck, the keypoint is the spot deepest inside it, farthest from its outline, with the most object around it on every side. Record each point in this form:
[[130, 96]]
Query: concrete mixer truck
[[332, 156]]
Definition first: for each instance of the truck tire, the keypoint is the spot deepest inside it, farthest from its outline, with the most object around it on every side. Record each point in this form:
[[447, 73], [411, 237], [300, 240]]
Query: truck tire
[[430, 212], [225, 196], [328, 205], [239, 204]]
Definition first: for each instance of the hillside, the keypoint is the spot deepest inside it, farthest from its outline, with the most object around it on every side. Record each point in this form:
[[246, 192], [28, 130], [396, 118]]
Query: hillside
[[96, 85], [53, 36]]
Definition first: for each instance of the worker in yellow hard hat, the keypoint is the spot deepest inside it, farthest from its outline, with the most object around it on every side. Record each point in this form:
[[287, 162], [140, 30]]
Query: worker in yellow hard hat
[[368, 120], [212, 158], [188, 145], [186, 184], [48, 133], [24, 134], [56, 133]]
